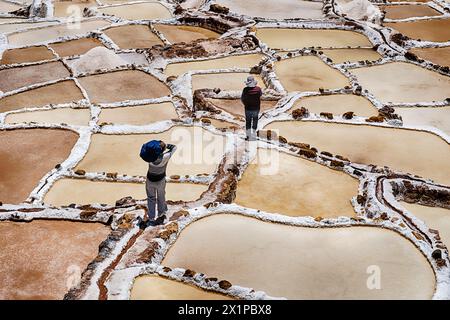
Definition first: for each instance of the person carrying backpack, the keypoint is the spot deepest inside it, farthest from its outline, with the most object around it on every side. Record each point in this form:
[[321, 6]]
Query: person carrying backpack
[[157, 154]]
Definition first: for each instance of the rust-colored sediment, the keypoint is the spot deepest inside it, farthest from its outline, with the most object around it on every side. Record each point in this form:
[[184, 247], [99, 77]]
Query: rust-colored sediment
[[27, 155]]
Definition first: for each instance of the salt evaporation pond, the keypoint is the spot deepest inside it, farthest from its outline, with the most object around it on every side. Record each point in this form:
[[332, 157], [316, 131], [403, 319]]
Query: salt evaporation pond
[[133, 36], [138, 11], [22, 55], [41, 258], [303, 263], [158, 288], [352, 55], [64, 8], [13, 27], [436, 30], [77, 117], [317, 190], [75, 47], [80, 191], [408, 11], [179, 33], [27, 155], [438, 118], [232, 81], [235, 106], [440, 56], [375, 145]]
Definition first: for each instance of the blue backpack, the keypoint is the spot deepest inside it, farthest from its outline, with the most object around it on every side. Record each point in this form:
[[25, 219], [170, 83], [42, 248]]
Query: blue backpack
[[151, 150]]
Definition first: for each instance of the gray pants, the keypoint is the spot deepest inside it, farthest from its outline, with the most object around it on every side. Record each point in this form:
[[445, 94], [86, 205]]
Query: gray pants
[[156, 192]]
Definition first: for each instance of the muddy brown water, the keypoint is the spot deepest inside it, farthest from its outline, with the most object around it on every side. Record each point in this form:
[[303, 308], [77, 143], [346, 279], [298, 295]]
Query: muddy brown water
[[240, 61], [280, 178], [138, 11], [175, 34], [15, 78], [434, 117], [375, 145], [123, 85], [75, 47], [139, 115], [61, 92], [31, 54], [308, 73], [303, 263], [41, 259], [403, 82], [26, 156], [440, 56], [158, 288], [337, 104], [409, 11], [434, 217], [285, 9], [279, 38], [199, 151], [49, 33], [235, 106], [77, 117], [67, 191], [436, 30], [133, 36]]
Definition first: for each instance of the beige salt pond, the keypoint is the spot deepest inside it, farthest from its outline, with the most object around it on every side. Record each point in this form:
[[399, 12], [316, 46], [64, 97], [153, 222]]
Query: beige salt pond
[[199, 151], [12, 27], [26, 156], [240, 61], [409, 11], [308, 73], [40, 258], [54, 32], [235, 106], [278, 38], [440, 56], [434, 117], [352, 55], [175, 33], [15, 78], [6, 7], [303, 263], [436, 30], [138, 11], [133, 36], [72, 8], [295, 187], [337, 104], [434, 217], [403, 82], [22, 55], [61, 92], [139, 115], [76, 117], [233, 81], [159, 288], [375, 145], [67, 191], [122, 86], [75, 47], [285, 9]]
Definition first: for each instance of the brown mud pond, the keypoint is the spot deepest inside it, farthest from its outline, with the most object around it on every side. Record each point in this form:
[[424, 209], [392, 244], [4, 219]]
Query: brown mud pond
[[233, 81], [199, 151], [122, 86], [77, 117], [133, 36], [317, 190], [240, 61], [159, 288], [314, 73], [285, 9], [22, 55], [75, 47], [67, 191], [436, 30], [277, 38], [409, 11], [138, 11], [139, 115], [375, 145], [440, 56], [26, 156], [433, 117], [403, 82], [42, 259], [175, 33], [337, 104], [303, 263], [58, 93], [15, 78]]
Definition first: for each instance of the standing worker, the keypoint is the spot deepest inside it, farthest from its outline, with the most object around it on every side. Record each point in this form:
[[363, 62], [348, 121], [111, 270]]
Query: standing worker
[[157, 154], [251, 98]]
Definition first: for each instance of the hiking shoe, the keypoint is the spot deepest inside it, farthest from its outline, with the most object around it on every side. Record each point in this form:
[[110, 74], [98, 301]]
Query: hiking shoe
[[161, 219]]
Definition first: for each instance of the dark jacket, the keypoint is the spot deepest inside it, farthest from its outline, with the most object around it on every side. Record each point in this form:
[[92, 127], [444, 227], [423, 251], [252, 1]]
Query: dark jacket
[[251, 98]]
